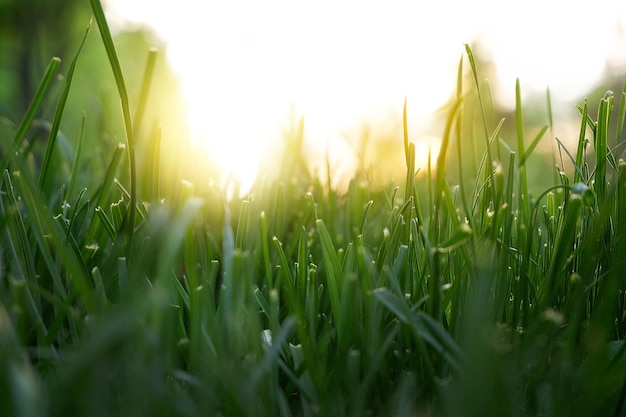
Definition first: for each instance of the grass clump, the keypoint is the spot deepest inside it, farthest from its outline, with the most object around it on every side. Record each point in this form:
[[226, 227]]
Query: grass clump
[[455, 293]]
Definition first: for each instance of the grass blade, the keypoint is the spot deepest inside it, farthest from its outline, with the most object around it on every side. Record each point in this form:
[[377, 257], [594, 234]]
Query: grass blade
[[107, 39], [77, 159], [56, 123], [145, 89], [44, 85], [600, 143], [48, 233], [333, 269]]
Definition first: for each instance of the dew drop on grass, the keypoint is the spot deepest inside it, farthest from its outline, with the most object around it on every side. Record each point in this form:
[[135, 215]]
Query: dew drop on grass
[[579, 188], [582, 189]]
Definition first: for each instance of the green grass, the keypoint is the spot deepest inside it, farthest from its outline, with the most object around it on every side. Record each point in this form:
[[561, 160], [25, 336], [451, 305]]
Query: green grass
[[455, 293]]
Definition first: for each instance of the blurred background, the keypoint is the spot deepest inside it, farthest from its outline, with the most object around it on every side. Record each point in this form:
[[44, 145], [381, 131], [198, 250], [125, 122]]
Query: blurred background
[[234, 78]]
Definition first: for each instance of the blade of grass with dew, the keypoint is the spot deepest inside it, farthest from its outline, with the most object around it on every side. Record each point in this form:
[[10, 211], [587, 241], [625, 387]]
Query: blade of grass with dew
[[563, 248], [482, 184], [99, 289], [286, 280], [106, 222], [507, 241], [78, 215]]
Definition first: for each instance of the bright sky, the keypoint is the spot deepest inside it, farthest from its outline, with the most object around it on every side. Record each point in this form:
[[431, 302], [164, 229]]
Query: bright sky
[[248, 67]]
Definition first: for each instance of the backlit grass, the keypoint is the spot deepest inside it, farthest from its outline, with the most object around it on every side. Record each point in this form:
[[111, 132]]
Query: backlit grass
[[454, 293]]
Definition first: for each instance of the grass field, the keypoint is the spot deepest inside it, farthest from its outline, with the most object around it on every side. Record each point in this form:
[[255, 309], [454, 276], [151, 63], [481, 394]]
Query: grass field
[[456, 292]]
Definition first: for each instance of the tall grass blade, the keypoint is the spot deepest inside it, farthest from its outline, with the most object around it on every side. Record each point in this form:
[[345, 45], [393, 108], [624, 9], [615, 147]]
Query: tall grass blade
[[600, 143], [459, 139], [107, 39], [156, 166], [77, 159], [33, 108], [470, 56], [405, 132], [489, 160], [621, 115], [333, 269], [56, 123], [145, 90]]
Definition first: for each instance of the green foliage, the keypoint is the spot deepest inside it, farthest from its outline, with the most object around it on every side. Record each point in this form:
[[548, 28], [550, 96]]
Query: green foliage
[[300, 299]]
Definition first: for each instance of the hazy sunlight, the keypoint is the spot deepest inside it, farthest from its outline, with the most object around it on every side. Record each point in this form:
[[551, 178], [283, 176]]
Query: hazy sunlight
[[250, 68]]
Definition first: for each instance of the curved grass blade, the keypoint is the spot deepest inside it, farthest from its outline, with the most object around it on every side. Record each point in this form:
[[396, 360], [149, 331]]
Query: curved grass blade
[[443, 150], [58, 115], [578, 173], [533, 145]]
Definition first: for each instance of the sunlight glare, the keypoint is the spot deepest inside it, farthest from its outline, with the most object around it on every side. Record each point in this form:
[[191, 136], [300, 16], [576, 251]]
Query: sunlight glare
[[249, 68]]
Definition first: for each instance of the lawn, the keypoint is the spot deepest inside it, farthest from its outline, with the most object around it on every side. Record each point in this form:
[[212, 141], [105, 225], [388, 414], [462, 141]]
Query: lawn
[[458, 291]]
